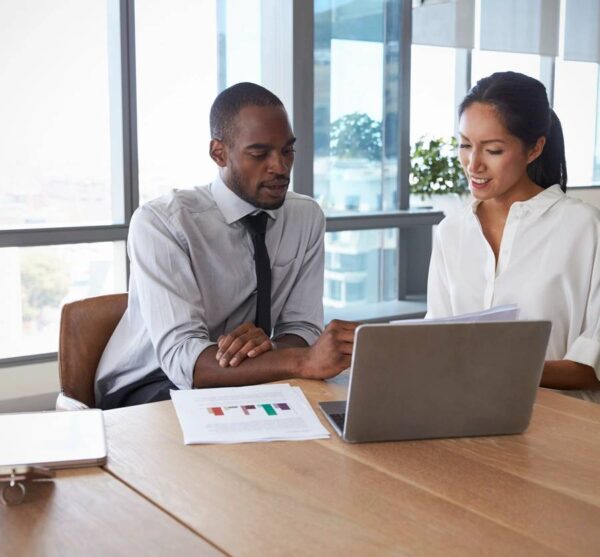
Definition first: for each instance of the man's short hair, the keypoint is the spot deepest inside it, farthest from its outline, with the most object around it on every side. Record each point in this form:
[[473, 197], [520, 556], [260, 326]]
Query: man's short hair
[[230, 101]]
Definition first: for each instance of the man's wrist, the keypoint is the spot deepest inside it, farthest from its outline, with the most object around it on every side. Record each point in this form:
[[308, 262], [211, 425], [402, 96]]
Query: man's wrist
[[295, 361]]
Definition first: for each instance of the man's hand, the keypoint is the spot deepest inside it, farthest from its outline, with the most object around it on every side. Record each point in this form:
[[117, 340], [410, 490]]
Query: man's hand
[[245, 341], [331, 353]]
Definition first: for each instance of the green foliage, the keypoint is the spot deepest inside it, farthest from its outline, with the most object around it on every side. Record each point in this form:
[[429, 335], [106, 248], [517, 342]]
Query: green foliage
[[435, 168], [356, 135], [45, 282]]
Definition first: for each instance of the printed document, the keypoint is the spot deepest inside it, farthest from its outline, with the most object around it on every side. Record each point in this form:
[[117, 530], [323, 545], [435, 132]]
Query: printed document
[[272, 412], [498, 313]]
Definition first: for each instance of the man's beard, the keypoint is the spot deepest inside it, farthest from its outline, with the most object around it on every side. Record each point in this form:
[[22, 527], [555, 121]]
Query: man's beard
[[236, 186]]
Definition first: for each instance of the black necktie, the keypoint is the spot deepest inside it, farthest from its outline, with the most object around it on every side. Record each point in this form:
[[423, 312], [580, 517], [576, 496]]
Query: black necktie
[[257, 226]]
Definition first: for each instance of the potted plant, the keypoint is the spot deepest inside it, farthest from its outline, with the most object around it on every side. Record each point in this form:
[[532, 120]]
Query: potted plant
[[436, 177]]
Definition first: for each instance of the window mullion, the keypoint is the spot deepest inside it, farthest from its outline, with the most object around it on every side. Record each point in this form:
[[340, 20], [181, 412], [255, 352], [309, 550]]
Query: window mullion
[[59, 236], [129, 100]]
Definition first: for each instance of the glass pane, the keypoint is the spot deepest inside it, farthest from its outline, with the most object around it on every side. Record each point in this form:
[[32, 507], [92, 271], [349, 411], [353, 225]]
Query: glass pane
[[578, 80], [486, 62], [60, 106], [355, 164], [240, 41], [360, 267], [202, 46], [37, 281], [432, 102]]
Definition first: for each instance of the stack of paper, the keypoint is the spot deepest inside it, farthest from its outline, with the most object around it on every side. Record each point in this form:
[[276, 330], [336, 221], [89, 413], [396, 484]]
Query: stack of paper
[[497, 313], [273, 412]]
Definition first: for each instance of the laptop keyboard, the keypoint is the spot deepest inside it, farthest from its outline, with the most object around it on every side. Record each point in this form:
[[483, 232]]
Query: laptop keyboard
[[338, 420]]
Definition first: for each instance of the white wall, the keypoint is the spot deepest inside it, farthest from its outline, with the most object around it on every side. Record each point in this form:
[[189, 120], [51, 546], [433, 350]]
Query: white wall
[[589, 195], [29, 380]]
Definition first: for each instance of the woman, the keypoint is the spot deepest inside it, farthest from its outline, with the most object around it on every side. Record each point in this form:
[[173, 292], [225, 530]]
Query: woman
[[522, 241]]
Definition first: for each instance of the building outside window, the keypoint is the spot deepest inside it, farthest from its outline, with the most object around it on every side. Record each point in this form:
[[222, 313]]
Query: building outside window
[[355, 158]]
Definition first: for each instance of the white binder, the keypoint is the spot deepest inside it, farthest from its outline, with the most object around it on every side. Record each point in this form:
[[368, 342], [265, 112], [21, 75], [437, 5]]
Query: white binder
[[53, 439]]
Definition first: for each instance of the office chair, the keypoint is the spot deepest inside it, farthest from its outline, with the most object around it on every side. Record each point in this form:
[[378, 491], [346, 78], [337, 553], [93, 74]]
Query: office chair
[[85, 328]]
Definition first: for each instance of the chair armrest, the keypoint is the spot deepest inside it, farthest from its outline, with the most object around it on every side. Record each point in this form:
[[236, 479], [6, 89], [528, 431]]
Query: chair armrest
[[64, 402]]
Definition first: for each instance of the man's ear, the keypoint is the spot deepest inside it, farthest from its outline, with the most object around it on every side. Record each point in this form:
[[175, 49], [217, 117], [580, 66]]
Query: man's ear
[[218, 152], [537, 149]]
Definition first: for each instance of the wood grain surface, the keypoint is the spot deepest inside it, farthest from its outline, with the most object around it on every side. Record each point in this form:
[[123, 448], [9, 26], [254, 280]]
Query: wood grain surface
[[89, 512], [531, 494]]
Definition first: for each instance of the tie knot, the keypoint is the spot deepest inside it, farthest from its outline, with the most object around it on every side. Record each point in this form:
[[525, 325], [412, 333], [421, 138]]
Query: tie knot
[[257, 224]]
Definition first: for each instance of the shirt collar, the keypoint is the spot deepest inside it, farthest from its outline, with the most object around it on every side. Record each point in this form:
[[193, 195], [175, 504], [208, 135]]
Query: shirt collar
[[231, 205], [539, 203]]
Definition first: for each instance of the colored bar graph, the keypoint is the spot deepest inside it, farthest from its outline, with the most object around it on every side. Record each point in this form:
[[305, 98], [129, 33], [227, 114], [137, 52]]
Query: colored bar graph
[[269, 409]]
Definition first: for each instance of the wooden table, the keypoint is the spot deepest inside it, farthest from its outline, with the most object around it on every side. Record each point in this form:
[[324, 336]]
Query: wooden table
[[89, 512], [531, 494]]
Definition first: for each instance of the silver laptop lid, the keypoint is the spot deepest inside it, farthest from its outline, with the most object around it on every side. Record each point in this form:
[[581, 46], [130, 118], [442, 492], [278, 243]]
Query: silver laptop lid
[[444, 380]]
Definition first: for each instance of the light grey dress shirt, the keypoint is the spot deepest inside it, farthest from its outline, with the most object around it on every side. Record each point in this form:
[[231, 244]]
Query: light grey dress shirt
[[193, 279]]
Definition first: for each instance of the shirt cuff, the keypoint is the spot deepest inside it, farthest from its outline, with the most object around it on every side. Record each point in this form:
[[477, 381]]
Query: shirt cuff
[[309, 335], [585, 351], [190, 352]]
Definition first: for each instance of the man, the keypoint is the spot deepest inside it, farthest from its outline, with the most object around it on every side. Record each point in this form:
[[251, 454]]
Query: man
[[213, 267]]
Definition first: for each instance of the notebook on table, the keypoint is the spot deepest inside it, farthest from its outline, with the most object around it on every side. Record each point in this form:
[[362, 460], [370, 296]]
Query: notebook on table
[[53, 439], [430, 380]]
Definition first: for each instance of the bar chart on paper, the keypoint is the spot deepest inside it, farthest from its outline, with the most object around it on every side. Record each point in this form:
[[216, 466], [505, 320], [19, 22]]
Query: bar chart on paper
[[271, 409], [246, 414]]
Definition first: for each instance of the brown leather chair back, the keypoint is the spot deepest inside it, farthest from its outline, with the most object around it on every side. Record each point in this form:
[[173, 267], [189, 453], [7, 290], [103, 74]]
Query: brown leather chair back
[[85, 328]]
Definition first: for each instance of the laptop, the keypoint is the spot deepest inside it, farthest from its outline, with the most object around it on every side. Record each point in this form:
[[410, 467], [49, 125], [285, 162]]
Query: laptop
[[433, 380], [53, 439]]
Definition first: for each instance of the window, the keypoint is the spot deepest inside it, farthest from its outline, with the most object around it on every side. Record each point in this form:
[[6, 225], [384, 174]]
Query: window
[[362, 265], [63, 199], [575, 100], [433, 103], [565, 81], [333, 290], [37, 281], [361, 143], [176, 85], [355, 292], [103, 108], [353, 169], [486, 62], [60, 90], [68, 143], [490, 37]]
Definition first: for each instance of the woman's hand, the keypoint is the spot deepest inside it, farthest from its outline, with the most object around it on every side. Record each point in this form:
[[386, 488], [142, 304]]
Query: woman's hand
[[567, 375]]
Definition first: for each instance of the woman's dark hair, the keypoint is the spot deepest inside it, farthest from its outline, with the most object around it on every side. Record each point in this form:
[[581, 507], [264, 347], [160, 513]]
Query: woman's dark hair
[[522, 104]]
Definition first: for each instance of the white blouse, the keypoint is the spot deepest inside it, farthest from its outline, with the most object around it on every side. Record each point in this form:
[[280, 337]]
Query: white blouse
[[548, 264]]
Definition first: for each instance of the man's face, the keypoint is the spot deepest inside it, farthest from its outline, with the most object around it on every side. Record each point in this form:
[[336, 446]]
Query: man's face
[[258, 157]]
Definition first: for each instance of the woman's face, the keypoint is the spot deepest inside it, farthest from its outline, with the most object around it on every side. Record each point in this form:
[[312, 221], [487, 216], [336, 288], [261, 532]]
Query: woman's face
[[495, 162]]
